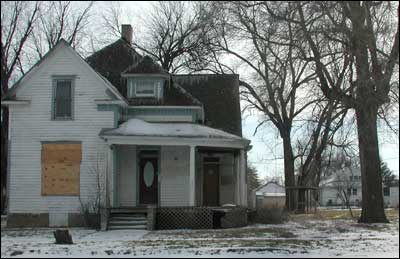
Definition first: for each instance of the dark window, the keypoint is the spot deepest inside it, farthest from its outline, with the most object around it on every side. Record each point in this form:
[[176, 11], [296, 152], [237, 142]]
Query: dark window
[[386, 191], [349, 192], [354, 191], [63, 99]]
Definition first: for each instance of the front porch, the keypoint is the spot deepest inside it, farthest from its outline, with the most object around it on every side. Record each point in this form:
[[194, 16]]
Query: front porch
[[197, 167], [176, 176]]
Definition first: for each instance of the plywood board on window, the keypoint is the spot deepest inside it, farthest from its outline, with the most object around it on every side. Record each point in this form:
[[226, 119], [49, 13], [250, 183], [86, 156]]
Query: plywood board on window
[[61, 169], [71, 156], [61, 146]]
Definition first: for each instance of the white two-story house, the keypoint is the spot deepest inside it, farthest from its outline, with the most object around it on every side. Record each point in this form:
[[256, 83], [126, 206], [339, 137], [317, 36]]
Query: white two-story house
[[118, 131]]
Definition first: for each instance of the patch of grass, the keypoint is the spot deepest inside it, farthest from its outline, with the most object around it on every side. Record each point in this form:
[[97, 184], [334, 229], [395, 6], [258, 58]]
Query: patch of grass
[[391, 214], [225, 233], [373, 227], [291, 243], [342, 230]]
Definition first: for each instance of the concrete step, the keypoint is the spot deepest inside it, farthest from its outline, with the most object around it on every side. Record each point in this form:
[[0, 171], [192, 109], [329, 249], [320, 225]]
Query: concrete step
[[128, 218], [127, 222], [127, 227], [128, 211], [137, 215]]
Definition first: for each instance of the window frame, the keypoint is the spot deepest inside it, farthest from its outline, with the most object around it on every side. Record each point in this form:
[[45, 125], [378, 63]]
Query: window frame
[[133, 93], [55, 79], [386, 191]]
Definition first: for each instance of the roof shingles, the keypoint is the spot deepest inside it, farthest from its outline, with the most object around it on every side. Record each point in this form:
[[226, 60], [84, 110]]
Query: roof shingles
[[219, 94]]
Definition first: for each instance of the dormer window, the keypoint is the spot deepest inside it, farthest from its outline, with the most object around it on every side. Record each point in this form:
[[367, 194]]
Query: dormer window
[[146, 88], [140, 87]]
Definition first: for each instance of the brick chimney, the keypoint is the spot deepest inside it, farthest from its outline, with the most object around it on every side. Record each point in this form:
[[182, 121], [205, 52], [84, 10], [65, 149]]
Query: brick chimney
[[126, 32]]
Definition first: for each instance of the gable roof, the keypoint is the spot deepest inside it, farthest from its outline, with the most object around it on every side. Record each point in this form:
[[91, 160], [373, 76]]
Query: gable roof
[[12, 90], [120, 58], [111, 60], [62, 43], [220, 97], [219, 94], [145, 66]]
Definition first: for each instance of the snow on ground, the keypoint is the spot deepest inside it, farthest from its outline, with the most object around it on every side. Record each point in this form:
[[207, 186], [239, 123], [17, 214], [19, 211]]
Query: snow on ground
[[311, 238]]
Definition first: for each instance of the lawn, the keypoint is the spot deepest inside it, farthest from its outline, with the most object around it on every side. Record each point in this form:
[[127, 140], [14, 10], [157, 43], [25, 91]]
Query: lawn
[[326, 234]]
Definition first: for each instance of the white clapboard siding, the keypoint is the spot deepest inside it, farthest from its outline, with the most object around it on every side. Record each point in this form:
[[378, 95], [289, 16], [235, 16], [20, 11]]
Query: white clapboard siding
[[174, 176], [32, 124], [126, 176]]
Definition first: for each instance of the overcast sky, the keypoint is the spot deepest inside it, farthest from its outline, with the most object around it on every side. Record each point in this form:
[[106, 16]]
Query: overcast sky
[[267, 143]]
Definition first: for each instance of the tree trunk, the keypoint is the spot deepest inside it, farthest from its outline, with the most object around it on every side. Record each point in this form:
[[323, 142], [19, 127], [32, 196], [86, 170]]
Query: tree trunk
[[4, 143], [372, 196], [301, 194], [4, 156], [289, 174]]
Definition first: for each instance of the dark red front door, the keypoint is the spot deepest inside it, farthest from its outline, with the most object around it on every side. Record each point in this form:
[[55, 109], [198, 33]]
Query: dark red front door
[[148, 168], [211, 185]]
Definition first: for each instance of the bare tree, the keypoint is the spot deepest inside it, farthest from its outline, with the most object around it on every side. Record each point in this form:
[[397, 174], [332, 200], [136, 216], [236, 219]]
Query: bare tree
[[318, 135], [17, 22], [365, 38], [61, 20], [339, 174], [95, 200], [280, 86], [112, 18], [176, 35], [344, 185]]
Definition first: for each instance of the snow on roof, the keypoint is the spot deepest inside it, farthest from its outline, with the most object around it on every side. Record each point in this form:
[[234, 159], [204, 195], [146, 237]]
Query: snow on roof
[[270, 188], [138, 127], [272, 194]]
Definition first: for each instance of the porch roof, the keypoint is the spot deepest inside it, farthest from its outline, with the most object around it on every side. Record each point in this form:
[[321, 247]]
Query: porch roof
[[136, 131]]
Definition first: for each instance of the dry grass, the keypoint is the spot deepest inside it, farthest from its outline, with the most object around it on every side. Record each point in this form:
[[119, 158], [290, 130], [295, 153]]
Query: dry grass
[[391, 214], [225, 233]]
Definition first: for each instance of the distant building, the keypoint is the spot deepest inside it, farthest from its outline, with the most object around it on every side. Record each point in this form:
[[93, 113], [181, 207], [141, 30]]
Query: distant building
[[270, 195], [391, 194], [342, 183], [347, 183]]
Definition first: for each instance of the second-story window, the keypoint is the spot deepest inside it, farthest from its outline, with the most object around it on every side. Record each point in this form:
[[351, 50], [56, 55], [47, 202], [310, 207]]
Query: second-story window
[[62, 99]]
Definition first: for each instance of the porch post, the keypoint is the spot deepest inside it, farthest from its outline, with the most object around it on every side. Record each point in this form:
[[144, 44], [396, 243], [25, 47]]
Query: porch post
[[243, 188], [192, 177], [237, 189], [107, 178], [111, 177]]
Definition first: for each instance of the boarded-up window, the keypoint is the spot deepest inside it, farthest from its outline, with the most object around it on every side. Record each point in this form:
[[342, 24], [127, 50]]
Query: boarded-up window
[[61, 168]]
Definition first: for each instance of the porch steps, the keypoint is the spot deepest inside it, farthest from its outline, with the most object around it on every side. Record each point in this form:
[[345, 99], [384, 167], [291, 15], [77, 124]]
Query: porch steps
[[121, 220]]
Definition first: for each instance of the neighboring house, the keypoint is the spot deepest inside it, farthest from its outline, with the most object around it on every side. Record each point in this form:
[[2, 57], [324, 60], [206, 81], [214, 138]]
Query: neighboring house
[[348, 180], [339, 185], [269, 195], [391, 194], [118, 128]]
